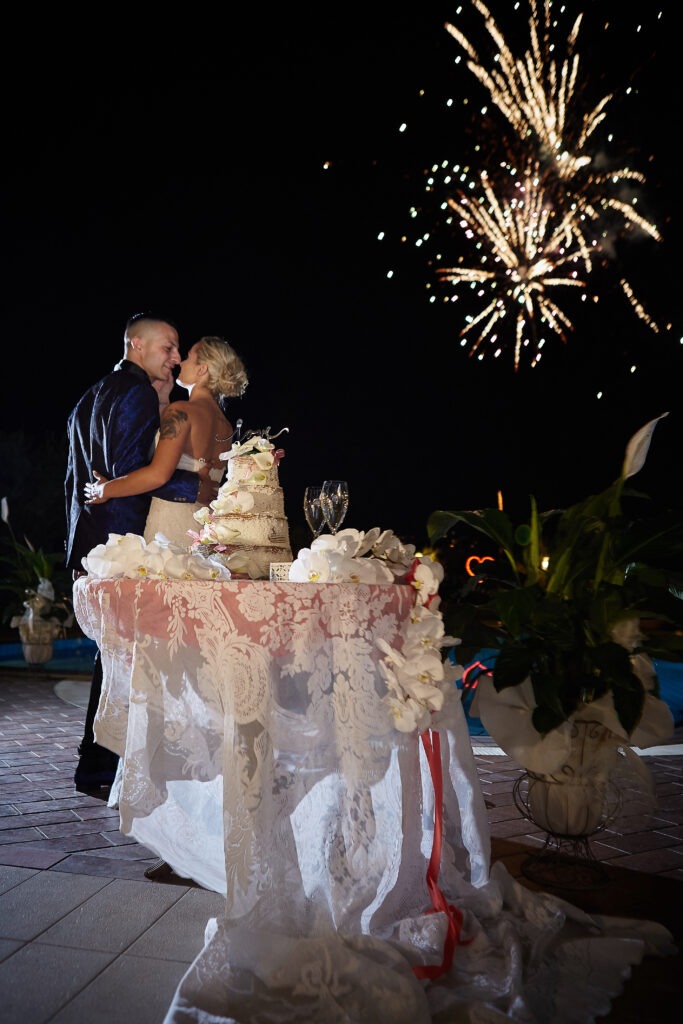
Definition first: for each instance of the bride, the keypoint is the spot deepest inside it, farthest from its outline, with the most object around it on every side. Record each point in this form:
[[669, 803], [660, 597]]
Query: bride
[[192, 434]]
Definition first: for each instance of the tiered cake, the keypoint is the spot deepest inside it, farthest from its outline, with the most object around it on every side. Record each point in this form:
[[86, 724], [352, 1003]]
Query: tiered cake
[[247, 527]]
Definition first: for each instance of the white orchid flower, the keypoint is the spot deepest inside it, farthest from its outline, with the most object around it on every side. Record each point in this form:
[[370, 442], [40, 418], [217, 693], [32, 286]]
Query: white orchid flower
[[116, 557], [425, 578], [425, 634], [202, 515], [220, 502], [217, 532], [310, 567], [368, 541], [348, 570], [260, 444], [184, 566], [239, 502], [264, 461], [380, 571], [258, 478], [348, 541], [426, 665], [399, 556], [408, 714], [326, 542]]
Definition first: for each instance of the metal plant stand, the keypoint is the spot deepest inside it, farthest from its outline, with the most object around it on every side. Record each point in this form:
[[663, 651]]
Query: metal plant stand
[[566, 860]]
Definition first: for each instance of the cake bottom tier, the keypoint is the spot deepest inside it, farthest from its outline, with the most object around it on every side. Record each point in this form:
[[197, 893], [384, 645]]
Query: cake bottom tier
[[252, 562]]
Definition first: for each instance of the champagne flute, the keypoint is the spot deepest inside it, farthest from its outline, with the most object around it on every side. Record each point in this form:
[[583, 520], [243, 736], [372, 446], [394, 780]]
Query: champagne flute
[[334, 499], [313, 510]]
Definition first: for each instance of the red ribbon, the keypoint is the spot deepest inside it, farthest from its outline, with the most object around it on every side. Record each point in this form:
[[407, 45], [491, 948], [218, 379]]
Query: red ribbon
[[432, 746]]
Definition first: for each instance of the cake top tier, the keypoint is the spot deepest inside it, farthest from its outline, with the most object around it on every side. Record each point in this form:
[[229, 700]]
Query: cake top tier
[[254, 462]]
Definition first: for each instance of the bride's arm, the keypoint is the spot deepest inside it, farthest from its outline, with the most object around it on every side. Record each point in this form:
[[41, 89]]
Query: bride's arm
[[174, 432]]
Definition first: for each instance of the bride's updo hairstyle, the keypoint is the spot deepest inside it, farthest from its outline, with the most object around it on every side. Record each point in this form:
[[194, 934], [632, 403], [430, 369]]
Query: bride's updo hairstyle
[[227, 373]]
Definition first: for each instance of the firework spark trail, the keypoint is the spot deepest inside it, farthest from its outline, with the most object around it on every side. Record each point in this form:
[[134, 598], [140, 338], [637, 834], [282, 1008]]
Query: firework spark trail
[[532, 94], [530, 248], [540, 101], [552, 226]]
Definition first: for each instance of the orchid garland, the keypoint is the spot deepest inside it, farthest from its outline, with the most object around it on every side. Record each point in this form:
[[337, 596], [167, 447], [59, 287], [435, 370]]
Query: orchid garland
[[129, 555], [417, 678]]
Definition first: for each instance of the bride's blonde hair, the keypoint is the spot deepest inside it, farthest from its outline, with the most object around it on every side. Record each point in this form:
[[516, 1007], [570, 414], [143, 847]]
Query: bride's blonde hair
[[227, 373]]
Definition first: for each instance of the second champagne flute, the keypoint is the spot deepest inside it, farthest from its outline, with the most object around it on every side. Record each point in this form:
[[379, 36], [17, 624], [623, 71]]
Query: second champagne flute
[[313, 510], [334, 499]]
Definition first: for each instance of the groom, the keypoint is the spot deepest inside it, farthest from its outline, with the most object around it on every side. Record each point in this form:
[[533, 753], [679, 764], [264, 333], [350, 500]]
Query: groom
[[112, 428]]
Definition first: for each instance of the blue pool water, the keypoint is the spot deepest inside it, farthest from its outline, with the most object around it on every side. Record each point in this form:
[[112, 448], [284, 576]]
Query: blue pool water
[[68, 656]]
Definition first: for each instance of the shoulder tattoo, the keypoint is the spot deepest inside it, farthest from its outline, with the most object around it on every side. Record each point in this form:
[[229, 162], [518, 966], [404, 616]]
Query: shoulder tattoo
[[171, 423]]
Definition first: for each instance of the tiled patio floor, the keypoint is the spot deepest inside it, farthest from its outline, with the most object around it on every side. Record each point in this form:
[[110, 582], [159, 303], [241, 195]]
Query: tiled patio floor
[[66, 872]]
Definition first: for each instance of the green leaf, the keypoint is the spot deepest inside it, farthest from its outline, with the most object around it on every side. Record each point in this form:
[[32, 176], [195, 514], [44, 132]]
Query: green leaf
[[513, 665]]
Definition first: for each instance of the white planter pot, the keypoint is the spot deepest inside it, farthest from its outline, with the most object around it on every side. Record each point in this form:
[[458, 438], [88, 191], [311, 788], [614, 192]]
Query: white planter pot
[[577, 799], [37, 653], [36, 641]]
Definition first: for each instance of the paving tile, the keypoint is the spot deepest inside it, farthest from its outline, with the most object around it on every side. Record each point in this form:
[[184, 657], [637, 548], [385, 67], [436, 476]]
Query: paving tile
[[639, 842], [179, 934], [651, 861], [98, 923], [133, 989], [14, 835], [69, 844], [82, 864], [98, 809], [7, 947], [79, 827], [62, 977], [674, 833], [123, 852], [40, 901], [510, 827], [38, 819], [11, 876], [18, 854]]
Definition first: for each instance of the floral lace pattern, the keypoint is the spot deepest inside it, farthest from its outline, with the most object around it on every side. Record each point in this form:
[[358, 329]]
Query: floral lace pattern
[[271, 698]]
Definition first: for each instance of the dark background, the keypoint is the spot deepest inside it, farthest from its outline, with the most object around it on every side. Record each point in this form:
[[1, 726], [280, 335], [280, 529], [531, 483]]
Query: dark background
[[236, 171]]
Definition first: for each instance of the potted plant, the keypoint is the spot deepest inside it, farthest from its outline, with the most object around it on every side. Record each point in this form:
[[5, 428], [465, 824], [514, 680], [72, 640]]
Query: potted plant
[[573, 604], [27, 585]]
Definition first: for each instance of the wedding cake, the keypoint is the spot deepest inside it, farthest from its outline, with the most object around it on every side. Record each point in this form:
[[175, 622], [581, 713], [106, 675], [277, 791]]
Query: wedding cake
[[246, 526]]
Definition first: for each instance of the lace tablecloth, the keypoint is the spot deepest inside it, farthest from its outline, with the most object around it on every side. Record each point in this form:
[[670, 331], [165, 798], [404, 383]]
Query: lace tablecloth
[[260, 758]]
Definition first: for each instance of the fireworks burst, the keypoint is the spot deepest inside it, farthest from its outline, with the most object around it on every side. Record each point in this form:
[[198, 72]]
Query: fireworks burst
[[535, 93], [546, 231], [527, 250]]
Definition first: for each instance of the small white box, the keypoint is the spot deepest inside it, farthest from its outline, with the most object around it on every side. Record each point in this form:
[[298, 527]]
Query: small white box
[[279, 571]]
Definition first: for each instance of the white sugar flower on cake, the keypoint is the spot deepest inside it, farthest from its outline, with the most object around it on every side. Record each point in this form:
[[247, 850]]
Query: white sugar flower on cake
[[232, 498], [260, 449]]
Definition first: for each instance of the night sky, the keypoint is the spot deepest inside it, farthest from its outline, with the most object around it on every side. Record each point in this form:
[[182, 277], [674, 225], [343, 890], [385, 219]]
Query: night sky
[[237, 172]]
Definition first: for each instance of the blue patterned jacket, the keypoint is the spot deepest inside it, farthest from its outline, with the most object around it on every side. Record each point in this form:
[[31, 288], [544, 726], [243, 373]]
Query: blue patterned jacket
[[112, 430]]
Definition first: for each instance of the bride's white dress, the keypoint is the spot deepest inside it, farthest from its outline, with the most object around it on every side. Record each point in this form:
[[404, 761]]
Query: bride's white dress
[[175, 518]]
